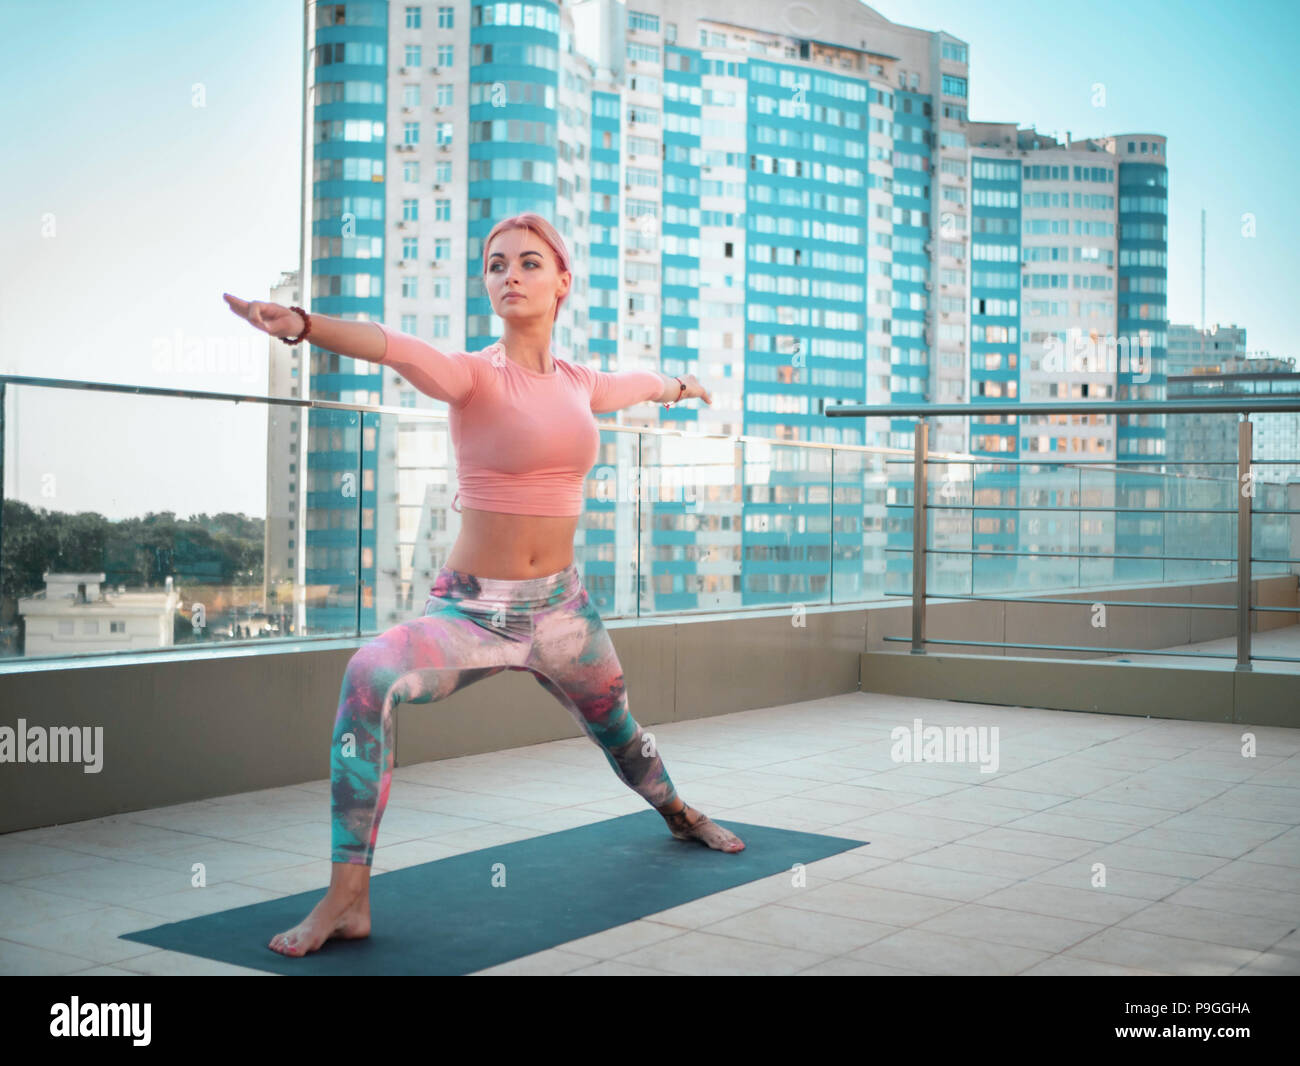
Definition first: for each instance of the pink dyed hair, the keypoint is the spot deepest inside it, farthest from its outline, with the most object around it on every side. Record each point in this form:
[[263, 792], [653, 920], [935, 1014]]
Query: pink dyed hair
[[540, 227]]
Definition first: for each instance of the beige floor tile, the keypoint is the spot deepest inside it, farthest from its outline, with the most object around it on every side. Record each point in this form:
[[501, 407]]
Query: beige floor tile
[[1256, 875], [1271, 964], [1167, 955], [616, 969], [552, 962], [1098, 905], [108, 881], [1240, 900], [704, 911], [1039, 932], [938, 953], [987, 861], [847, 967], [193, 902], [21, 907], [899, 780], [963, 807], [843, 866], [1079, 874], [622, 941], [1024, 842], [1062, 966], [904, 823], [411, 853], [695, 952], [1116, 813], [227, 860], [1199, 923], [24, 960], [94, 935], [178, 964], [928, 880], [291, 880], [21, 861], [883, 845], [870, 904], [1128, 856], [861, 794], [1195, 843], [791, 927], [1280, 851]]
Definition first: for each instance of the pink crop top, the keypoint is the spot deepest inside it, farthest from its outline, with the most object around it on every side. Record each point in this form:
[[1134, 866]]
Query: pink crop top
[[524, 440]]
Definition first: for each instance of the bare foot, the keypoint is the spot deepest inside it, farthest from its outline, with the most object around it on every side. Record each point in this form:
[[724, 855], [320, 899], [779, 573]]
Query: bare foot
[[690, 824], [337, 915]]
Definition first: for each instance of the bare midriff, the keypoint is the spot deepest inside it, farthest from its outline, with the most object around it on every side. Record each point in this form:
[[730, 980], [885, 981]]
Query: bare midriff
[[512, 547]]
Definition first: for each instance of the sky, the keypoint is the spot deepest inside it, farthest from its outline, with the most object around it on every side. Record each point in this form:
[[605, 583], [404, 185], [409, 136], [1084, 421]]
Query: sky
[[153, 154]]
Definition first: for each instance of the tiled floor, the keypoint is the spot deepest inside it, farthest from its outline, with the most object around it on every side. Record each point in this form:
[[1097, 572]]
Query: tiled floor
[[1102, 845]]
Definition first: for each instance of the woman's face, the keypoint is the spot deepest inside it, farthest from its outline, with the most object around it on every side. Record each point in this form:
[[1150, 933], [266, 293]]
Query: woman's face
[[522, 277]]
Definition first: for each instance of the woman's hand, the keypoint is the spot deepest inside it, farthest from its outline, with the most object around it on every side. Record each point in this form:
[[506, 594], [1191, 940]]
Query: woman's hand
[[270, 318], [694, 390]]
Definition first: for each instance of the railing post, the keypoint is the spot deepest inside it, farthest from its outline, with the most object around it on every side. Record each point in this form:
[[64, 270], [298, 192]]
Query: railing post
[[1245, 500], [918, 535]]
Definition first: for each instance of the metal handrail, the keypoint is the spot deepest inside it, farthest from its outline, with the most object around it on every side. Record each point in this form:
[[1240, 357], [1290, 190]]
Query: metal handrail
[[1243, 556], [1259, 404]]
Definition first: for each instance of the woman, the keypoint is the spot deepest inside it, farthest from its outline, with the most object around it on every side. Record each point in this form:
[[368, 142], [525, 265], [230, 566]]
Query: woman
[[509, 595]]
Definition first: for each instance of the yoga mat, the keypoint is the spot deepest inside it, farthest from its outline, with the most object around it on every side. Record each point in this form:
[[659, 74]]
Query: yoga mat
[[447, 917]]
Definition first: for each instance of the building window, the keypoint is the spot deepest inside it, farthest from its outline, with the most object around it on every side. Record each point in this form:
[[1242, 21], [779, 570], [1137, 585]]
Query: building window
[[640, 20], [446, 18], [445, 55], [412, 18], [411, 56]]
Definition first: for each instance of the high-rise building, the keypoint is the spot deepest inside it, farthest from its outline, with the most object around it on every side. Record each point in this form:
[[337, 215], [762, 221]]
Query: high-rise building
[[285, 432], [788, 200], [1196, 351]]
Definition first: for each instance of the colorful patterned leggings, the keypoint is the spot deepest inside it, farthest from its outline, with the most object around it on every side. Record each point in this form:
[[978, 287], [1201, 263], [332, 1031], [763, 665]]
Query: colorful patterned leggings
[[473, 628]]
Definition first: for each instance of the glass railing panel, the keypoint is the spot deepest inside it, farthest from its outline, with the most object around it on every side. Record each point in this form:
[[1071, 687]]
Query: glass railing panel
[[859, 520], [137, 522], [700, 541], [608, 544]]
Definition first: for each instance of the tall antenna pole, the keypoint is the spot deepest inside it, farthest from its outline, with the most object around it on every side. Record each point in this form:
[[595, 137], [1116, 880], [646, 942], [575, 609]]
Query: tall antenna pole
[[1202, 270]]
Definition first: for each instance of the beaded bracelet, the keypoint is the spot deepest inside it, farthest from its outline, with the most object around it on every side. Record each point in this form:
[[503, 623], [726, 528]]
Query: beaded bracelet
[[680, 394], [306, 328]]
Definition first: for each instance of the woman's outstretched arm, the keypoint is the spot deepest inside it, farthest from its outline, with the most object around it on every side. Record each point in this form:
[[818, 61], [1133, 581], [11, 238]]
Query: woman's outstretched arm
[[446, 376], [360, 340]]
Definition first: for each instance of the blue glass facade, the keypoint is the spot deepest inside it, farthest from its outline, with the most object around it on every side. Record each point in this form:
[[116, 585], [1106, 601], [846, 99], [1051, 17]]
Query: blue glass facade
[[997, 202], [1142, 321], [507, 132], [807, 236], [347, 242]]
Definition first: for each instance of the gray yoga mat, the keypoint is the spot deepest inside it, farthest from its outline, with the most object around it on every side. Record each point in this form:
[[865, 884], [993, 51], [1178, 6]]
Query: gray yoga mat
[[448, 916]]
